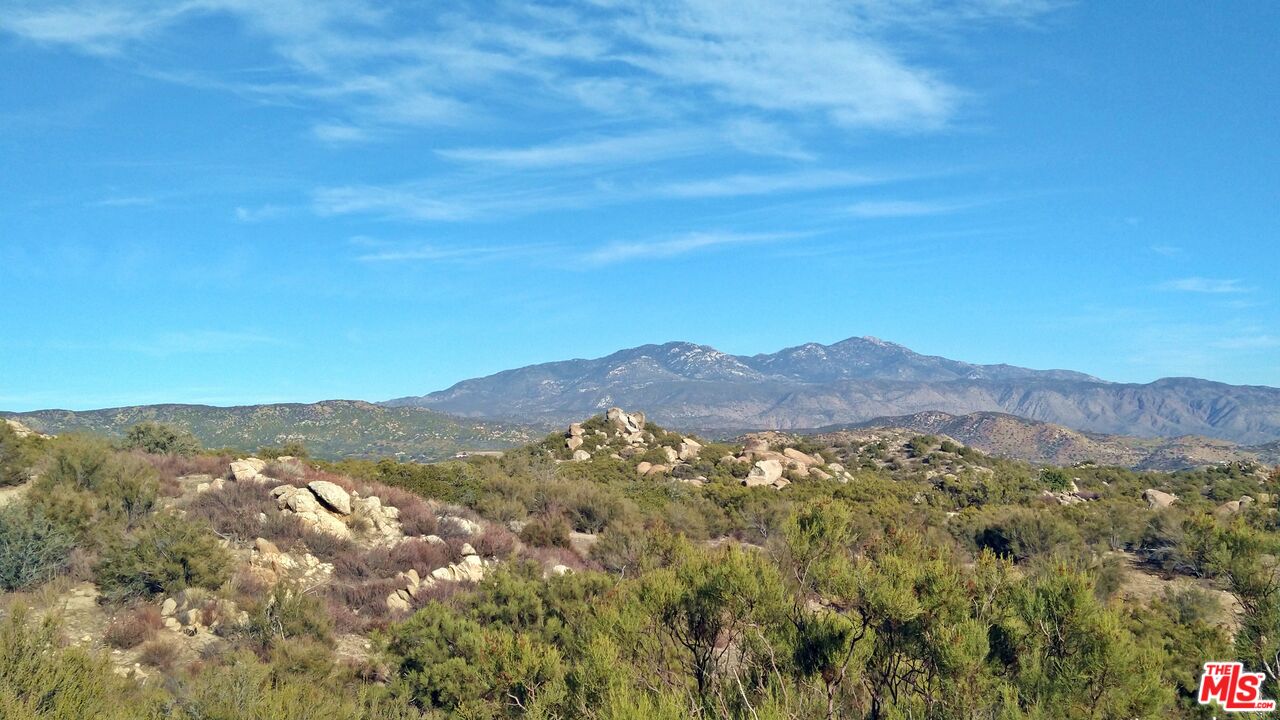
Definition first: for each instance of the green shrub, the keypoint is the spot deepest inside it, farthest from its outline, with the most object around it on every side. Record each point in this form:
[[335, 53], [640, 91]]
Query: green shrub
[[168, 556], [546, 531], [16, 456], [288, 614], [32, 549], [86, 486], [159, 439], [134, 626], [40, 680]]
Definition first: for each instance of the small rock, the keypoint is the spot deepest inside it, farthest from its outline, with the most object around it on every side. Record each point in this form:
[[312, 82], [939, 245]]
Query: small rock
[[467, 550], [580, 455], [168, 607]]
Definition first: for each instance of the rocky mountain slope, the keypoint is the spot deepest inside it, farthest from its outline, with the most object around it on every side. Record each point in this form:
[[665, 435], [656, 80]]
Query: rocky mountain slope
[[696, 387], [330, 429], [1009, 436]]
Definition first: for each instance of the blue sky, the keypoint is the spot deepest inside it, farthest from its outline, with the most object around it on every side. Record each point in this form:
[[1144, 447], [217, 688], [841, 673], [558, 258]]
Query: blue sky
[[234, 201]]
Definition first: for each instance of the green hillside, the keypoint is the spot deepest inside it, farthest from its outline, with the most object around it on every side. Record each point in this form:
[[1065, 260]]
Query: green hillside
[[330, 429]]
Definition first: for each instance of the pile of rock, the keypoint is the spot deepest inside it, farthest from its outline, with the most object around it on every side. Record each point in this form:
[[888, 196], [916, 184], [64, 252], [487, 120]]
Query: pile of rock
[[1071, 496], [472, 568], [629, 425], [193, 610], [768, 468], [326, 507], [271, 565], [22, 431]]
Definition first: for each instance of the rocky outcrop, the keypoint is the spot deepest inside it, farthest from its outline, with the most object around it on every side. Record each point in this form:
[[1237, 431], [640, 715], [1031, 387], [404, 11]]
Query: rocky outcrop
[[1233, 507], [22, 431], [1158, 500], [248, 470], [331, 496], [193, 610], [303, 503], [461, 525], [471, 568], [629, 425], [764, 472]]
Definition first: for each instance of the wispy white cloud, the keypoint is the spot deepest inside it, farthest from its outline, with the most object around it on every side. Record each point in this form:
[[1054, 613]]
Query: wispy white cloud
[[608, 150], [430, 253], [340, 132], [259, 214], [907, 208], [679, 58], [1206, 285], [766, 184], [201, 341], [1248, 342], [1168, 251], [126, 201], [502, 196], [671, 247]]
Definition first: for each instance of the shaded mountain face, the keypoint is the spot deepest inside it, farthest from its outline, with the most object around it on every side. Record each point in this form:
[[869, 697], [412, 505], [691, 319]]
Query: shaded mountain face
[[699, 388]]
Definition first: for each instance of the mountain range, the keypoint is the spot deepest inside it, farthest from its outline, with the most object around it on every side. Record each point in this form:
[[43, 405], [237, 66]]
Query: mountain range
[[696, 387], [1052, 416]]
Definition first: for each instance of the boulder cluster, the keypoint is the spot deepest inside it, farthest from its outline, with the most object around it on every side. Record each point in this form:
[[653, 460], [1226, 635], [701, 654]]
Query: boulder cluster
[[769, 468], [271, 565], [624, 436], [321, 505], [193, 610], [471, 568], [1071, 496]]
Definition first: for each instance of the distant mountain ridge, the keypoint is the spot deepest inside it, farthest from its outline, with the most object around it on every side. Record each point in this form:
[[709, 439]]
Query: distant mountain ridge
[[330, 429], [697, 387], [1010, 436]]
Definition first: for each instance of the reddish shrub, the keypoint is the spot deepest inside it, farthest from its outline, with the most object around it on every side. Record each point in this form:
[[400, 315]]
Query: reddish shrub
[[548, 556], [419, 555], [161, 654], [345, 620], [417, 516], [495, 541], [233, 511], [327, 547], [134, 626], [367, 600], [172, 467]]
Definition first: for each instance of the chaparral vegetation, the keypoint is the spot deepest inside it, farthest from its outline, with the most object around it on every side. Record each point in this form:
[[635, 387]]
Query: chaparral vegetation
[[622, 571]]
